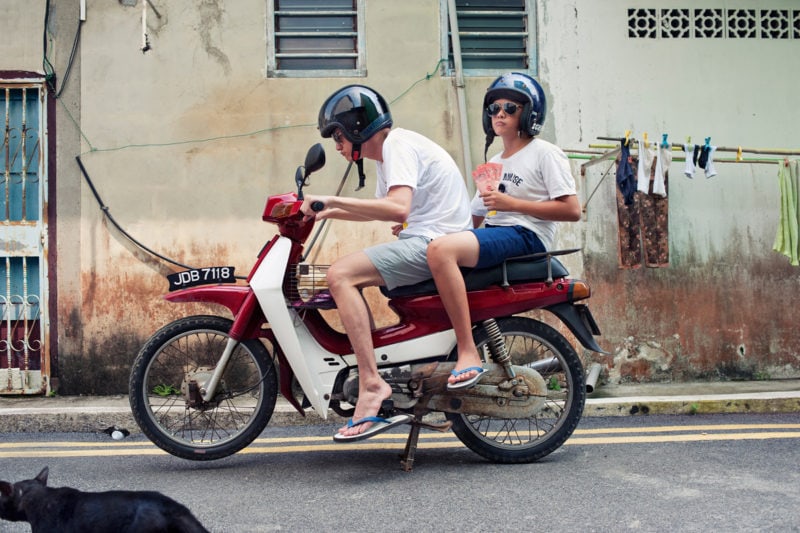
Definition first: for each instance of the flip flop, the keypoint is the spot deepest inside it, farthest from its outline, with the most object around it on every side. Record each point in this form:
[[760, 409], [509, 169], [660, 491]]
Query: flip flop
[[379, 425], [467, 383]]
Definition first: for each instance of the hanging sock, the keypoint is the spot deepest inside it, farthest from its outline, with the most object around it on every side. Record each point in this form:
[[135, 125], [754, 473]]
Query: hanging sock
[[662, 167], [690, 161], [703, 159], [696, 154], [625, 174], [643, 169], [710, 170]]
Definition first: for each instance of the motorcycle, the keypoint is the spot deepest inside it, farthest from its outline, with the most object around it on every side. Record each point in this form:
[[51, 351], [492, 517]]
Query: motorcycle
[[204, 387]]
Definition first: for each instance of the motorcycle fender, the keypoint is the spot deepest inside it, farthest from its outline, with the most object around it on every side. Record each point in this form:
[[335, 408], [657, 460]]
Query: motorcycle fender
[[580, 322], [230, 296]]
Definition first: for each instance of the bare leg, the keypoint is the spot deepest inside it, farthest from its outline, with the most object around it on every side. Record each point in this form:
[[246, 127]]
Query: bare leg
[[346, 278], [445, 256]]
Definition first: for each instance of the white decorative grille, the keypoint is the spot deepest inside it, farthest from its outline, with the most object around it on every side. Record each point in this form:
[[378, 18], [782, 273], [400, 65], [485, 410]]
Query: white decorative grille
[[713, 23]]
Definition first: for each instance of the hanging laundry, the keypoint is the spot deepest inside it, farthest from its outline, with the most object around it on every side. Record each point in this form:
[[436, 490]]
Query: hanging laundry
[[696, 154], [786, 239], [690, 161], [643, 168], [626, 177], [710, 170], [642, 226], [703, 159], [663, 162]]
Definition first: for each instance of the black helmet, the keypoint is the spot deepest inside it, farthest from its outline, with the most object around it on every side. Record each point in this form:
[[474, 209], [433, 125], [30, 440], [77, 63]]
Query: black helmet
[[519, 88], [357, 110]]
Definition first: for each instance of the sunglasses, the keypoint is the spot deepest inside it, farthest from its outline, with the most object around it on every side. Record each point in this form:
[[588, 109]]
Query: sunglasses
[[337, 137], [508, 108]]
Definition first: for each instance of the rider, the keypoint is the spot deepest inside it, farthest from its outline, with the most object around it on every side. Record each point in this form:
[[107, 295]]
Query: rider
[[536, 190], [419, 188]]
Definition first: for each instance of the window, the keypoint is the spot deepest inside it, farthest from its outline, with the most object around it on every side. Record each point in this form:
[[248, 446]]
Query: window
[[315, 38], [495, 35]]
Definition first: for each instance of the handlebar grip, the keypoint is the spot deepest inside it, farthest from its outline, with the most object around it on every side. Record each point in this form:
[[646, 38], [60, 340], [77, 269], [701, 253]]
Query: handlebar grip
[[317, 206]]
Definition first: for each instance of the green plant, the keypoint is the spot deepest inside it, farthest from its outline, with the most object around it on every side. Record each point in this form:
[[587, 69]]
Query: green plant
[[165, 390], [693, 409], [553, 384]]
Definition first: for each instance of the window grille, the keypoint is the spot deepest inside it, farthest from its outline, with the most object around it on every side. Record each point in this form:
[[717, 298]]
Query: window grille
[[496, 36], [315, 38], [713, 23]]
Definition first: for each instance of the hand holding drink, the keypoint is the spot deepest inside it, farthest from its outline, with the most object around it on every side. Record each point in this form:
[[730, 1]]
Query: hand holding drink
[[487, 178]]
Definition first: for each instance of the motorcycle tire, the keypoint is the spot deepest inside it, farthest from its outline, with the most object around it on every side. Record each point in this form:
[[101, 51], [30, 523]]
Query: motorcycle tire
[[525, 440], [182, 355]]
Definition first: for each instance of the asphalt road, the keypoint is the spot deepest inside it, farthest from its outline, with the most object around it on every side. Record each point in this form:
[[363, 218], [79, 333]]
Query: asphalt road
[[656, 473]]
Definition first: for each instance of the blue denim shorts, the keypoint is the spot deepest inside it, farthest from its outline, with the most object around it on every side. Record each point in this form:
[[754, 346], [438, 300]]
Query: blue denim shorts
[[498, 243]]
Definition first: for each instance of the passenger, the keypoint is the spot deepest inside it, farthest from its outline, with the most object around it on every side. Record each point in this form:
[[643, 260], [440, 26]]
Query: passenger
[[536, 190]]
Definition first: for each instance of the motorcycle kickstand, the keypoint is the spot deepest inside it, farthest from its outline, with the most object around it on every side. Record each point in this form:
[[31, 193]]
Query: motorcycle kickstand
[[407, 459]]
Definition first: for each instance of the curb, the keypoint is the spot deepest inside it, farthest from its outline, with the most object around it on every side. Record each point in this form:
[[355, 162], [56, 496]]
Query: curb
[[81, 414]]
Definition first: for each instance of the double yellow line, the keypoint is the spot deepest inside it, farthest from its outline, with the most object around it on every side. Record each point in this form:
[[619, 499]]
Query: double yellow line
[[396, 441]]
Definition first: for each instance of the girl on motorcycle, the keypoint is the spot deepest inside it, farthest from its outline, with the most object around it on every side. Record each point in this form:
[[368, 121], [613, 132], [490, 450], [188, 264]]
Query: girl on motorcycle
[[535, 191]]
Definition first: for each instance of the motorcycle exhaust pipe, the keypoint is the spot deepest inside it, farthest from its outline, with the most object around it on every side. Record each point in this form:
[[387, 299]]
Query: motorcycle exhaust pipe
[[546, 366], [591, 379]]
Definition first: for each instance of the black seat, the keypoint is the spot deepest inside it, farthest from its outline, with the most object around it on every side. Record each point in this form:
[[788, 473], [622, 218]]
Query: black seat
[[517, 270]]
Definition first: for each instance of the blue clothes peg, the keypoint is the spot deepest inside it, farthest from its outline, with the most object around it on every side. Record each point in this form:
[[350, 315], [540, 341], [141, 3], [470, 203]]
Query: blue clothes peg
[[664, 143]]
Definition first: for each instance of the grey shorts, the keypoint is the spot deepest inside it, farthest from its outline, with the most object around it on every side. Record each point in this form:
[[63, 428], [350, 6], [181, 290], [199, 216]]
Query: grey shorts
[[401, 262]]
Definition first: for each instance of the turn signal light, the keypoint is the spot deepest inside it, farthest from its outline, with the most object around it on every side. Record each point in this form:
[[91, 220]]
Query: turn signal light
[[580, 290]]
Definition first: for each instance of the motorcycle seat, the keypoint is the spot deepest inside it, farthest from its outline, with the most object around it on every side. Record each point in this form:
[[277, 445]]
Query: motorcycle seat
[[524, 269]]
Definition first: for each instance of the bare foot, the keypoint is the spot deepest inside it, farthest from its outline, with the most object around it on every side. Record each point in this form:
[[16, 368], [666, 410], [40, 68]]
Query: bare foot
[[369, 403]]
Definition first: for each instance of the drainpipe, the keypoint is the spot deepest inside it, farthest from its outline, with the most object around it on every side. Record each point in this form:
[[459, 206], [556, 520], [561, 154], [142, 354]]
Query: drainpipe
[[462, 99]]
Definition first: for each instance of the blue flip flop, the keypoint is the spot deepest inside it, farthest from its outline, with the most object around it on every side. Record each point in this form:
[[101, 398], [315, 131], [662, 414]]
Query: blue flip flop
[[467, 383], [379, 425]]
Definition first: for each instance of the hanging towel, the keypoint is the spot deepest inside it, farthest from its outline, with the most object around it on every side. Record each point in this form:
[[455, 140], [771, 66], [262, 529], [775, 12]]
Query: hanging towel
[[786, 240], [662, 167], [643, 169], [689, 170], [626, 177]]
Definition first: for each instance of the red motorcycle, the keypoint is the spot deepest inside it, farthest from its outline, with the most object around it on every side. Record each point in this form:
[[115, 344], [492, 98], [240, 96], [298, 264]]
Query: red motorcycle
[[204, 387]]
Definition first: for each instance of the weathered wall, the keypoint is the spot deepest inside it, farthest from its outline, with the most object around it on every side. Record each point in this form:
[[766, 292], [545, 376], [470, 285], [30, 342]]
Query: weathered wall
[[722, 307], [185, 142]]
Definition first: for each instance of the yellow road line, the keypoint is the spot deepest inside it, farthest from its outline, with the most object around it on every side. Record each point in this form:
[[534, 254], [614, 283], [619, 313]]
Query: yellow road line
[[383, 442], [423, 436]]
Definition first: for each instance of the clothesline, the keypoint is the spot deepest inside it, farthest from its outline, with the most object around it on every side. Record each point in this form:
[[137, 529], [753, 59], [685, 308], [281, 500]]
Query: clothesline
[[734, 149]]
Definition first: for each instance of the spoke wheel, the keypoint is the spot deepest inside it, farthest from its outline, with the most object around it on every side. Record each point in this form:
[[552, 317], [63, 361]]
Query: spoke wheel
[[175, 364], [523, 440]]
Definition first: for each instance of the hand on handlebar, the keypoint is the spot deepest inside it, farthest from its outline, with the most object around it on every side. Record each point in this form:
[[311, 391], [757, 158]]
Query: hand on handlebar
[[313, 205]]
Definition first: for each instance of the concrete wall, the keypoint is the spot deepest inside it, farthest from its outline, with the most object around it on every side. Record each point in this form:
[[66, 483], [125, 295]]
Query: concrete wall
[[185, 142]]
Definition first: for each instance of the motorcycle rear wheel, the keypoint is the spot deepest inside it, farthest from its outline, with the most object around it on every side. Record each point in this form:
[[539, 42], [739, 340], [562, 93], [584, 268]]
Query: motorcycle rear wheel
[[524, 440], [187, 350]]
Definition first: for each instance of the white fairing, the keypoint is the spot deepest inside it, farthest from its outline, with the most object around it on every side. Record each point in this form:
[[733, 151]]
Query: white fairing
[[314, 367]]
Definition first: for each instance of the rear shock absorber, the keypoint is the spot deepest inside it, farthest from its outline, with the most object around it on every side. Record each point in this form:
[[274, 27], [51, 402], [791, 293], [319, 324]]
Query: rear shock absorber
[[497, 346]]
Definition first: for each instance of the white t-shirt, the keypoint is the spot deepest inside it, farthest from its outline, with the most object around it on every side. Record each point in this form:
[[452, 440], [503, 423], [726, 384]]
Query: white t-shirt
[[540, 171], [440, 202]]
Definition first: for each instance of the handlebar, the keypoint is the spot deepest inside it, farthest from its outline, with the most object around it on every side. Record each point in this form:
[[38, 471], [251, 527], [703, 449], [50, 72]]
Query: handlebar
[[317, 206]]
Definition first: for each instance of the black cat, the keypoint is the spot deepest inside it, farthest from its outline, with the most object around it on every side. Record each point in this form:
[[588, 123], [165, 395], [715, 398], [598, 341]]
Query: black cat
[[67, 510]]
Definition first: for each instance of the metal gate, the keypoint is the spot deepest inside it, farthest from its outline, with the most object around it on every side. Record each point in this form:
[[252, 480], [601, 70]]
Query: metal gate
[[24, 354]]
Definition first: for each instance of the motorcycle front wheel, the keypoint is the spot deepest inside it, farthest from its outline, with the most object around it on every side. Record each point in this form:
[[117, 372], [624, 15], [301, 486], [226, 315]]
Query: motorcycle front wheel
[[176, 361], [523, 440]]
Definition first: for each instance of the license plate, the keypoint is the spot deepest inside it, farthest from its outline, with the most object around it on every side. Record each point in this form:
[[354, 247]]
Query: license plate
[[201, 276]]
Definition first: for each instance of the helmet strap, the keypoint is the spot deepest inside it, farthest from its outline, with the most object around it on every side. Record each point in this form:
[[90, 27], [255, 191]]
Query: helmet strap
[[356, 155]]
